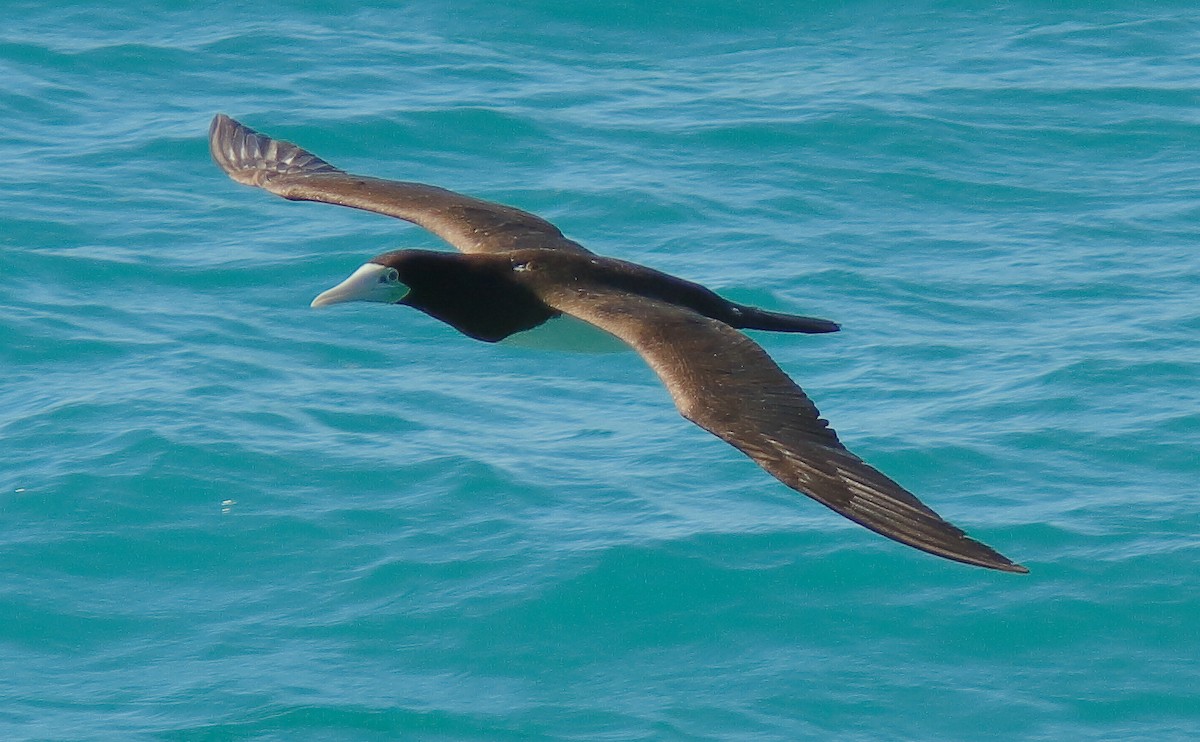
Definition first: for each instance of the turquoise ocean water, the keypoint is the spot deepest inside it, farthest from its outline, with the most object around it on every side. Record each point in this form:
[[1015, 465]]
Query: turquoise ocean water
[[226, 516]]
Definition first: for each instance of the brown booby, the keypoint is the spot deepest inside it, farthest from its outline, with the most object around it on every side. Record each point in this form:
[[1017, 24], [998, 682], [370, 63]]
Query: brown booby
[[517, 271]]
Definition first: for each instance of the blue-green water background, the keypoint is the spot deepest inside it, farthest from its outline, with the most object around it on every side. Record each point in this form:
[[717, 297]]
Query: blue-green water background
[[226, 516]]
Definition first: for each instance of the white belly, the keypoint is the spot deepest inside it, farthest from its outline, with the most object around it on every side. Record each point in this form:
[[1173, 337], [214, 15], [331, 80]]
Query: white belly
[[567, 333]]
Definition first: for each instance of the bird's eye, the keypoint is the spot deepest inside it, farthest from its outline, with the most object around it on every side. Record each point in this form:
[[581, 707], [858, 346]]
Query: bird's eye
[[391, 276]]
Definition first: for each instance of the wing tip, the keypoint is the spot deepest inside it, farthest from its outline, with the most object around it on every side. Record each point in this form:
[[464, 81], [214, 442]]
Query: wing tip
[[226, 139], [970, 551], [1000, 565], [251, 158], [1007, 565]]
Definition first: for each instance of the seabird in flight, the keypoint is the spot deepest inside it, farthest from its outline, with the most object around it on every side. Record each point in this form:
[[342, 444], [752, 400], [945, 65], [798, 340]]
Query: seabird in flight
[[517, 271]]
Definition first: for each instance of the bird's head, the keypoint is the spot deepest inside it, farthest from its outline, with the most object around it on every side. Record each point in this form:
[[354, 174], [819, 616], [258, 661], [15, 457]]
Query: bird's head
[[381, 279]]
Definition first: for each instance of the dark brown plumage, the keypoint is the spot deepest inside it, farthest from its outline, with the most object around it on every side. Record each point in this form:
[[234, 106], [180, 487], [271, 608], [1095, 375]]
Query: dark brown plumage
[[519, 271]]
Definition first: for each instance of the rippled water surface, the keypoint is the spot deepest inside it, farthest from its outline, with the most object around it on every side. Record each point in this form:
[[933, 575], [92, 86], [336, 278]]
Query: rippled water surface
[[226, 516]]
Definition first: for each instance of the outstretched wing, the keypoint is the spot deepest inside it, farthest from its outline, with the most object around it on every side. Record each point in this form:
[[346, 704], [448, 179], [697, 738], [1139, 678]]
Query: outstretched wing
[[724, 382], [469, 224]]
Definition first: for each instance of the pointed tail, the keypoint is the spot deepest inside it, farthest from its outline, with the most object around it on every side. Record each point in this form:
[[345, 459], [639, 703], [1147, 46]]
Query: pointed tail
[[752, 318]]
